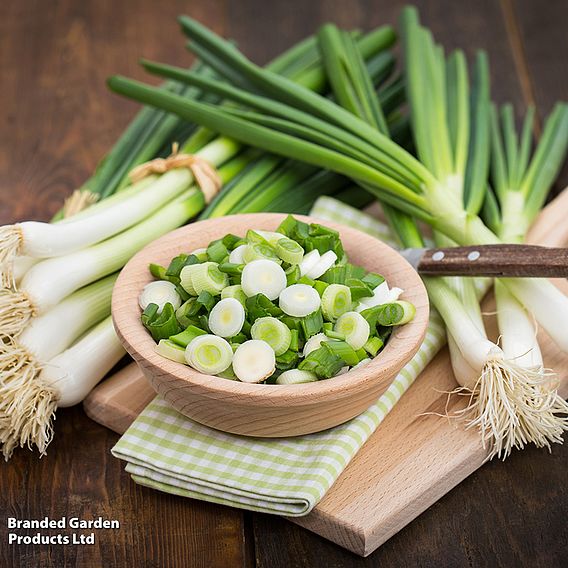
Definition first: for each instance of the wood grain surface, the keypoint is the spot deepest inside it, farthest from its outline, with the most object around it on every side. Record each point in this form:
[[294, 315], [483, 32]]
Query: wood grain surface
[[495, 261], [57, 121]]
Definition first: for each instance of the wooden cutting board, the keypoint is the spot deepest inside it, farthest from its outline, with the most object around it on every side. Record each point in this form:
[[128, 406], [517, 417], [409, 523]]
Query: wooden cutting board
[[410, 462]]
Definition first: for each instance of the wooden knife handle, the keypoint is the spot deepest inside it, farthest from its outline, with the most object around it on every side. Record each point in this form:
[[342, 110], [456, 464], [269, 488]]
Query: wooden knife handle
[[496, 260]]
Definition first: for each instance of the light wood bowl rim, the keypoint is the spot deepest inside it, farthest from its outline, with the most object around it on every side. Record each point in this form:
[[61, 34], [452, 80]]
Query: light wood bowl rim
[[141, 346]]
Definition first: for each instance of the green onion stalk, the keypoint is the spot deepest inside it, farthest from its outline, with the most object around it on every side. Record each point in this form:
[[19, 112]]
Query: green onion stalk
[[455, 298], [271, 183], [520, 185], [50, 286], [284, 118]]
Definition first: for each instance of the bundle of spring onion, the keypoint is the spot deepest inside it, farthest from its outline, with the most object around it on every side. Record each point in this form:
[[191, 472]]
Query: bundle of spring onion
[[444, 187], [330, 315], [68, 281]]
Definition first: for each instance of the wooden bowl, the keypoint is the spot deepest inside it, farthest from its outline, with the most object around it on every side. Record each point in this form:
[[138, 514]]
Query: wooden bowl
[[257, 409]]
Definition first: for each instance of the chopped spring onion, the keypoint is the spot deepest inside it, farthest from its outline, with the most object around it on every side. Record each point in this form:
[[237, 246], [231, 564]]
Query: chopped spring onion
[[254, 361], [381, 295], [270, 237], [237, 255], [325, 262], [207, 277], [354, 327], [227, 318], [309, 261], [335, 301], [258, 251], [299, 300], [396, 313], [184, 338], [274, 332], [362, 363], [296, 377], [209, 354], [200, 254], [297, 332], [185, 277], [160, 325], [314, 343], [263, 277], [159, 292], [345, 351], [289, 250], [373, 345], [171, 351], [323, 362], [235, 291]]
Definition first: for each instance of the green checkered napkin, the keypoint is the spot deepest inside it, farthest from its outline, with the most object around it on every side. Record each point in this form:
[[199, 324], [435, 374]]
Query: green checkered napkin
[[287, 476]]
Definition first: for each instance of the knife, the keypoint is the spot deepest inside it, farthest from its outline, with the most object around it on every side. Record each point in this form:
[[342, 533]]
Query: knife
[[506, 260]]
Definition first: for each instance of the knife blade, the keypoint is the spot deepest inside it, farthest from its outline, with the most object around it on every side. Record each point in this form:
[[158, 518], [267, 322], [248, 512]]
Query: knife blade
[[503, 260]]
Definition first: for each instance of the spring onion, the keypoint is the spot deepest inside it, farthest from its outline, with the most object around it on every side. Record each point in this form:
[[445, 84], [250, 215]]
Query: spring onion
[[314, 343], [289, 250], [23, 359], [354, 327], [274, 332], [227, 317], [45, 240], [209, 354], [263, 277], [335, 301], [171, 351], [254, 361], [299, 300], [324, 263], [51, 280], [338, 140], [64, 381], [207, 277], [237, 255], [296, 377], [234, 291], [309, 261], [160, 292]]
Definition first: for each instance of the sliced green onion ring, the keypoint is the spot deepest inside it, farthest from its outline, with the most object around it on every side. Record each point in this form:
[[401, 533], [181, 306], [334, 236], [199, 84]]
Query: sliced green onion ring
[[296, 377], [160, 292], [335, 301], [274, 332], [171, 351], [299, 300], [209, 354], [227, 318], [355, 328], [289, 250], [326, 261], [263, 277], [254, 361]]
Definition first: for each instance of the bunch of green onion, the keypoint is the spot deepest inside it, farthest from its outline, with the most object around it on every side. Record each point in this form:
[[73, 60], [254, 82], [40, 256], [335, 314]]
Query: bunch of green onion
[[63, 271], [443, 186]]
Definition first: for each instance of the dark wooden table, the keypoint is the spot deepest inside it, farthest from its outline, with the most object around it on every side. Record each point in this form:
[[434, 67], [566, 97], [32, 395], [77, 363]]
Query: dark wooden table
[[57, 121]]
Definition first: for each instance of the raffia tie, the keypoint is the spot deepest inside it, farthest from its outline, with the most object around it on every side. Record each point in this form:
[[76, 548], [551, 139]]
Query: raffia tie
[[204, 173], [80, 199]]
